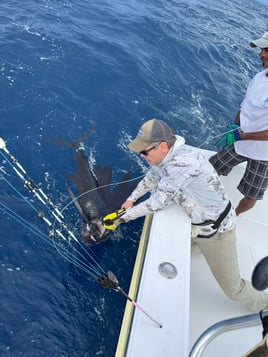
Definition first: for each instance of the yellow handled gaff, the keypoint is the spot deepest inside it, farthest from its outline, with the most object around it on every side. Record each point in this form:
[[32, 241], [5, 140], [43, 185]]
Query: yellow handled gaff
[[108, 221]]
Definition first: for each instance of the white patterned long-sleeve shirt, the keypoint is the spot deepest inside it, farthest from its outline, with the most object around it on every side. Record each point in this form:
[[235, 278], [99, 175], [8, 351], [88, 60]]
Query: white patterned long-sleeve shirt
[[187, 178]]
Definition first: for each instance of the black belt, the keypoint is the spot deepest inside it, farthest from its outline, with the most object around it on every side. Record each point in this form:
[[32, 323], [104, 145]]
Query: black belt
[[213, 225], [222, 216]]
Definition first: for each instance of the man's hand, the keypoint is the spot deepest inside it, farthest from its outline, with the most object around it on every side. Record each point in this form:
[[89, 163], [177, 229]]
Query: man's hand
[[231, 135], [127, 204]]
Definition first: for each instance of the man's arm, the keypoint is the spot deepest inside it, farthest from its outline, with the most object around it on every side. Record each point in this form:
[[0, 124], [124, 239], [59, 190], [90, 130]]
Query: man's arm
[[237, 118], [260, 135]]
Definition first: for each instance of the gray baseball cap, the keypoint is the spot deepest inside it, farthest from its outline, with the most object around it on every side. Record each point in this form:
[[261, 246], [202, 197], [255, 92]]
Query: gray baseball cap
[[153, 131]]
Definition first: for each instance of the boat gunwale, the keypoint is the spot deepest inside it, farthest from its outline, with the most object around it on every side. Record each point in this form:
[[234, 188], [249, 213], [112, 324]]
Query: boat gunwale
[[122, 344]]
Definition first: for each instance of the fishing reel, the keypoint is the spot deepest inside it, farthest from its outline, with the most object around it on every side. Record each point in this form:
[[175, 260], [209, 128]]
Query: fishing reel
[[112, 220], [108, 280]]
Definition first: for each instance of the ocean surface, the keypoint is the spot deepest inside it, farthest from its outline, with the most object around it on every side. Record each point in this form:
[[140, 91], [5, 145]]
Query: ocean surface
[[66, 66]]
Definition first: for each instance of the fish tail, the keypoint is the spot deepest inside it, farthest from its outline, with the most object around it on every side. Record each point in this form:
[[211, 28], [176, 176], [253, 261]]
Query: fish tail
[[75, 144]]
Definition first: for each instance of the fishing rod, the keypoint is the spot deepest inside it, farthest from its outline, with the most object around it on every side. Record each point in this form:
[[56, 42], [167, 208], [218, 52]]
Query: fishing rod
[[109, 280], [106, 280], [52, 209], [47, 202], [32, 187]]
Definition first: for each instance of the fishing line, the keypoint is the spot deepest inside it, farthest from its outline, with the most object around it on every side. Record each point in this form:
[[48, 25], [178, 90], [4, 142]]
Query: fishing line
[[28, 182], [92, 268], [18, 192], [100, 187], [92, 190], [138, 177], [83, 263], [71, 257], [67, 255], [32, 187], [216, 136], [90, 256], [23, 222], [135, 178], [94, 273], [77, 253]]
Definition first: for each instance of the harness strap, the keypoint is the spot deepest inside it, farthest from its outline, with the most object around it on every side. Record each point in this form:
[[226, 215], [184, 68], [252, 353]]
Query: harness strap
[[222, 216], [209, 227]]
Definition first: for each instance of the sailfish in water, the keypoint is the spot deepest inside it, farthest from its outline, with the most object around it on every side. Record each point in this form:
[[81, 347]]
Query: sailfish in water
[[94, 197]]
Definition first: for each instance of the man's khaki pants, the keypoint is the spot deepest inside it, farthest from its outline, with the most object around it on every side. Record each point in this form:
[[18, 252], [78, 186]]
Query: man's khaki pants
[[220, 252]]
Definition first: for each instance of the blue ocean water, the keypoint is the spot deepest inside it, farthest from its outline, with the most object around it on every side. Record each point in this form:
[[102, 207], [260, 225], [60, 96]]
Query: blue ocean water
[[65, 66]]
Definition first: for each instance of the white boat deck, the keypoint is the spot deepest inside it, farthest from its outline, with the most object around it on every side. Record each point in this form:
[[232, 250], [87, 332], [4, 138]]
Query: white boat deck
[[208, 304], [192, 301], [154, 290]]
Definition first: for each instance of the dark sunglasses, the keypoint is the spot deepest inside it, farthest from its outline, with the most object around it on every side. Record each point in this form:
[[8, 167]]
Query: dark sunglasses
[[146, 152]]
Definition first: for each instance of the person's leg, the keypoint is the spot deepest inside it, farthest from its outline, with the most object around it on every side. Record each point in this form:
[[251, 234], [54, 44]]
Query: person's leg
[[252, 185], [220, 253], [244, 205], [223, 161]]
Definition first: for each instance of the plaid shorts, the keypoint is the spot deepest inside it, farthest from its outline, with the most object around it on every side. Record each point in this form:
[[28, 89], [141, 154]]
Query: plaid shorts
[[255, 180]]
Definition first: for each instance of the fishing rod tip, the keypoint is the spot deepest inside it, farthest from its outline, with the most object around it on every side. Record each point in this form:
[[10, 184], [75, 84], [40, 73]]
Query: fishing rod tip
[[2, 144]]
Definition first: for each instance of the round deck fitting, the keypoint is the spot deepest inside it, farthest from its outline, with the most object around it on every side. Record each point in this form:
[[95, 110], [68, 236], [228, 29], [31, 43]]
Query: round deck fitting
[[167, 270]]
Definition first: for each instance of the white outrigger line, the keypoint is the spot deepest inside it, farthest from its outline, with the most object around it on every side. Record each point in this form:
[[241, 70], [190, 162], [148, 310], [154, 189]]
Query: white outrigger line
[[39, 194], [106, 280]]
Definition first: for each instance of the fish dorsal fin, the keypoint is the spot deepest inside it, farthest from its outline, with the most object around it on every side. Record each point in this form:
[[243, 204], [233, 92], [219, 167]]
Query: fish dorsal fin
[[113, 197], [122, 191], [76, 203], [103, 174], [104, 178]]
